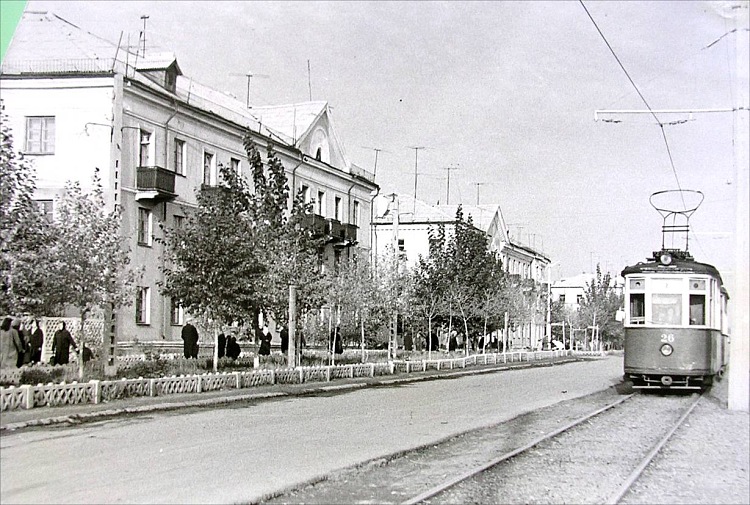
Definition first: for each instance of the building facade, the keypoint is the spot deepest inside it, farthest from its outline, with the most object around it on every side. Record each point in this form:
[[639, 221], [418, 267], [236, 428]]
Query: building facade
[[78, 104]]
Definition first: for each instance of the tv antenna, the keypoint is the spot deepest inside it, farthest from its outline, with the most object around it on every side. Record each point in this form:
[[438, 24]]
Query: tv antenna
[[250, 74], [144, 18], [448, 186]]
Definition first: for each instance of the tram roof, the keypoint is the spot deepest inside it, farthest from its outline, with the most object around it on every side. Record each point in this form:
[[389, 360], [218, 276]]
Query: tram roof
[[676, 267]]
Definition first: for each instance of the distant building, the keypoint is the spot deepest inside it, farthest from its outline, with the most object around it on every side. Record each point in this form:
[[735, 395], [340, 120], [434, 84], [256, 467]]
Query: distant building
[[570, 290], [77, 103], [405, 223]]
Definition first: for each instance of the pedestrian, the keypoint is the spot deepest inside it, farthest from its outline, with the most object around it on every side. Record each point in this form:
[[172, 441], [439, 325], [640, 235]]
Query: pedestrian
[[453, 341], [434, 342], [284, 334], [37, 343], [9, 344], [190, 340], [233, 348], [61, 342], [265, 342], [222, 345], [23, 338], [338, 346]]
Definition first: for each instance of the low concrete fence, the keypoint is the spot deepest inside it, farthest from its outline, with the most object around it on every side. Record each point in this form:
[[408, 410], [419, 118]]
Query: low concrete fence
[[97, 391]]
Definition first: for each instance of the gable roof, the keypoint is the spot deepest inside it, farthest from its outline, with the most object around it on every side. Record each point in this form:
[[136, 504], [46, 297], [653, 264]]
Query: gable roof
[[293, 120]]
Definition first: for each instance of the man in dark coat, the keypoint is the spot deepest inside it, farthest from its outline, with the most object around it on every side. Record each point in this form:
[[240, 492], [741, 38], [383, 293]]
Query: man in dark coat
[[284, 334], [37, 343], [233, 348], [61, 343], [190, 339], [222, 345], [338, 346]]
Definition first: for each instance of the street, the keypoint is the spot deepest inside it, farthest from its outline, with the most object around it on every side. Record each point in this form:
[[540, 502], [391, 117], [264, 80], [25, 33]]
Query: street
[[239, 454]]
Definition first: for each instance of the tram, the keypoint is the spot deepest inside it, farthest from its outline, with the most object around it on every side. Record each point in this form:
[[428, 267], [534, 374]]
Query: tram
[[675, 314]]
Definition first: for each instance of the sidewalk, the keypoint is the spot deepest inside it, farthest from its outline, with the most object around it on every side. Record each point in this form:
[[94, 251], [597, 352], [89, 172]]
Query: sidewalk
[[76, 414]]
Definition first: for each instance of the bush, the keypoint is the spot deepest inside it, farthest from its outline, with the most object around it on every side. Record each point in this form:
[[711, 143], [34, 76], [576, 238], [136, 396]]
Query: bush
[[42, 375]]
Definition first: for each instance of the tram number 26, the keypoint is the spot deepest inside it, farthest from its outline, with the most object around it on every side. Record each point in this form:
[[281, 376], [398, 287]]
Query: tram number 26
[[667, 337]]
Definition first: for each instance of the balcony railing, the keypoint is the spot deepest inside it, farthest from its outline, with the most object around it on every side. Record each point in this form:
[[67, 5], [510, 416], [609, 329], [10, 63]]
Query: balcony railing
[[156, 180], [317, 223]]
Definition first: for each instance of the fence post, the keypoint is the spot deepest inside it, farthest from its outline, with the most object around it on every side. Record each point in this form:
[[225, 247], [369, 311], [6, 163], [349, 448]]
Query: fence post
[[28, 396], [273, 376], [424, 366], [328, 373], [392, 367], [97, 390], [152, 387], [239, 379], [301, 375], [199, 385], [351, 371], [372, 369]]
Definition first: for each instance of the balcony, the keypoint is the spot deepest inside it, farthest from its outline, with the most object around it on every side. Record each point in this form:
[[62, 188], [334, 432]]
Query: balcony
[[341, 234], [317, 223], [155, 183]]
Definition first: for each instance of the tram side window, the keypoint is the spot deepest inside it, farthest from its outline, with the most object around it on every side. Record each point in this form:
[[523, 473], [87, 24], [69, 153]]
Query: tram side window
[[637, 308], [697, 309]]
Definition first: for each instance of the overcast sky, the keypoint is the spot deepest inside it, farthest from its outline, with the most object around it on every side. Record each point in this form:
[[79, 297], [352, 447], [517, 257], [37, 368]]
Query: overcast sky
[[506, 91]]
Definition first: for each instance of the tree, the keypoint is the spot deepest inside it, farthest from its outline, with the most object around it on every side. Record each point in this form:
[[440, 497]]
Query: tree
[[598, 306], [430, 282], [88, 261], [237, 253], [24, 233]]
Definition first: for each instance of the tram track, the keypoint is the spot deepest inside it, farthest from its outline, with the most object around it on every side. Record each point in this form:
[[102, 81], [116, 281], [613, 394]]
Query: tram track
[[467, 468]]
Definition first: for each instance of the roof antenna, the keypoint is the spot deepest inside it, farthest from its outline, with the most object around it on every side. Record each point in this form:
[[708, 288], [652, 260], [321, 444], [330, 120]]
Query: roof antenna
[[144, 18], [309, 84]]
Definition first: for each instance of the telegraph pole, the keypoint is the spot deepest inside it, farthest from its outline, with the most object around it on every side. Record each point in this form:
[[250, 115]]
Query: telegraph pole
[[448, 187], [416, 157], [144, 18]]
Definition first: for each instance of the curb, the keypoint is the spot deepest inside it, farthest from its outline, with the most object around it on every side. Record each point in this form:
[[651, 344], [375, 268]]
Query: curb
[[103, 414]]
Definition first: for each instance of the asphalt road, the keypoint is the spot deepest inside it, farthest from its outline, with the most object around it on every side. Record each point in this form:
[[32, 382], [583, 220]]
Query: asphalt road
[[239, 454]]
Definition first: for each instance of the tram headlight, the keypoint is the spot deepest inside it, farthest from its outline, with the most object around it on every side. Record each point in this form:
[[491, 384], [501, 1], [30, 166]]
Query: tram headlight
[[665, 259], [666, 349]]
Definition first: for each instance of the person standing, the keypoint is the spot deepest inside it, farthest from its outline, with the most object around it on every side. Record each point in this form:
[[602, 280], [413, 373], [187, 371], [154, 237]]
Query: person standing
[[37, 343], [190, 340], [61, 343], [265, 342], [222, 345], [9, 344], [17, 326], [284, 334]]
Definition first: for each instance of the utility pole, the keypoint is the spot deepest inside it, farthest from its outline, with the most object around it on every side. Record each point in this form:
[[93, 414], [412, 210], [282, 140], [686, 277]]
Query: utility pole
[[309, 81], [144, 18], [416, 158], [448, 187], [394, 238]]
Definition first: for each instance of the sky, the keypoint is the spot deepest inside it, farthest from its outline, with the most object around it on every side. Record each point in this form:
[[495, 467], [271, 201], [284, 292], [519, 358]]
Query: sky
[[504, 91]]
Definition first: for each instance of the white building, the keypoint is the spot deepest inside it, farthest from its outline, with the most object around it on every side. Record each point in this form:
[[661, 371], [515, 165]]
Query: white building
[[77, 103]]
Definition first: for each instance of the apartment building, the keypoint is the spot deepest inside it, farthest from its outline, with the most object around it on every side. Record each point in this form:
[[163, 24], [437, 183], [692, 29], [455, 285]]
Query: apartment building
[[78, 103]]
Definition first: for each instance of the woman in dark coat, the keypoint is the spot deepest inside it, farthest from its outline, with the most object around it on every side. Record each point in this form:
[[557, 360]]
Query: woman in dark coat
[[265, 343], [233, 348], [37, 343], [61, 343]]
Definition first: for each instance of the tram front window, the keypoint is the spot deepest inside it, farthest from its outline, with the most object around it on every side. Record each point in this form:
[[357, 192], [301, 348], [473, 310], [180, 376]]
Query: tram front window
[[697, 309], [637, 308], [666, 309]]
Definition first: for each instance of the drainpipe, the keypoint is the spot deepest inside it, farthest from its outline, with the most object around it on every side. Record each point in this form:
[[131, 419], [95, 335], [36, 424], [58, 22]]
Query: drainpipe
[[349, 214], [166, 312], [302, 159]]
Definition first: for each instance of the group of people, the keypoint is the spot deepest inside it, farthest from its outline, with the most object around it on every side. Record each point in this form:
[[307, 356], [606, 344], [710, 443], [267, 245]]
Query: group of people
[[20, 346], [228, 346]]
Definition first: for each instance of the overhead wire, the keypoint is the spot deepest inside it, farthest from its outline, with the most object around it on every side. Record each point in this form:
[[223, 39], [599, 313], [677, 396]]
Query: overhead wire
[[661, 125]]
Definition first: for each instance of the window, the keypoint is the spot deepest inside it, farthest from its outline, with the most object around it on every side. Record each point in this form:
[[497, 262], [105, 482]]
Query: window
[[356, 214], [145, 153], [234, 164], [562, 299], [208, 169], [318, 154], [40, 135], [178, 315], [45, 207], [637, 308], [144, 226], [306, 193], [321, 203], [179, 222], [698, 309], [666, 308], [579, 299], [143, 305], [337, 208], [179, 156], [401, 245]]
